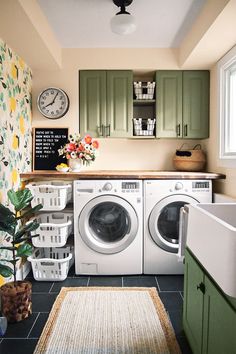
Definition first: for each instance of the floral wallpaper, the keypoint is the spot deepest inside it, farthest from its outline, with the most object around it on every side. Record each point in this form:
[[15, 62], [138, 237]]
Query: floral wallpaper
[[15, 121]]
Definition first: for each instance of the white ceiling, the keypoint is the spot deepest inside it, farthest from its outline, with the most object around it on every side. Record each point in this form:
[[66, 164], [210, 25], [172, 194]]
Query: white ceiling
[[86, 23]]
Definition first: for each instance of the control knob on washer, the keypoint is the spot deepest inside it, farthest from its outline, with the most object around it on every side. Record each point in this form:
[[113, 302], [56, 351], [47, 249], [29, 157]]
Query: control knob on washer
[[178, 186], [107, 187]]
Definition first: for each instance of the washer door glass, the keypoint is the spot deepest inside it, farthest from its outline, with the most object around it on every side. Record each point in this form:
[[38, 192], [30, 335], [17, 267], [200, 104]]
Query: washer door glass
[[164, 221], [108, 224]]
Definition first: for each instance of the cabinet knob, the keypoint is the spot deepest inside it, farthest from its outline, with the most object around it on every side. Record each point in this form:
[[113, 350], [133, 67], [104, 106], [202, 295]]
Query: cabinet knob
[[201, 287]]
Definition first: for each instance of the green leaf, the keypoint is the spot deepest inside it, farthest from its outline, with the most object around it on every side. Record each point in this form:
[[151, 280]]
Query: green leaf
[[31, 211], [20, 199], [24, 250], [5, 271], [31, 226], [26, 238], [7, 220]]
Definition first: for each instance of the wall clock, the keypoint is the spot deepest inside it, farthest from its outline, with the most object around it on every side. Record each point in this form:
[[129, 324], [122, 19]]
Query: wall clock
[[53, 103]]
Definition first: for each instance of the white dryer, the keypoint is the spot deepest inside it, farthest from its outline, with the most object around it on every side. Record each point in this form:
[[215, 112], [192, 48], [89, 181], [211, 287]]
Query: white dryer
[[108, 227], [163, 200]]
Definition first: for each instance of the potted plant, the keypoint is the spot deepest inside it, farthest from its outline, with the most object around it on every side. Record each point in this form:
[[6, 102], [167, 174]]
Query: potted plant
[[16, 295]]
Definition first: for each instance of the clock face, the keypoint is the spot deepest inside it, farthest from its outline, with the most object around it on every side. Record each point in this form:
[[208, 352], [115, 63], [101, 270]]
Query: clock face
[[53, 103]]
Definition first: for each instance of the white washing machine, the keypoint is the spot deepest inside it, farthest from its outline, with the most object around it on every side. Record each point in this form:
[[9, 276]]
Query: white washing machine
[[108, 227], [162, 202]]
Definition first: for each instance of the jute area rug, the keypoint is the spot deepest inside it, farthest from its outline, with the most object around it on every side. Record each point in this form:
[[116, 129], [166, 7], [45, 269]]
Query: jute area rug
[[108, 320]]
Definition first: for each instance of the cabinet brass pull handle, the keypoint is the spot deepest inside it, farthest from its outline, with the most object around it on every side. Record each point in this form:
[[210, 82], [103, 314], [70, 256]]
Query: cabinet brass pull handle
[[103, 130], [185, 130], [201, 287], [108, 130], [100, 130], [178, 129]]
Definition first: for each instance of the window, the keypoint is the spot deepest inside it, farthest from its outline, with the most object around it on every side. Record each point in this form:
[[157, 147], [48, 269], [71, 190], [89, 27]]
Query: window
[[227, 108]]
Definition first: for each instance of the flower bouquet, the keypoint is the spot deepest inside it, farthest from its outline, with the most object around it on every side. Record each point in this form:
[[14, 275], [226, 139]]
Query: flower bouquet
[[82, 149]]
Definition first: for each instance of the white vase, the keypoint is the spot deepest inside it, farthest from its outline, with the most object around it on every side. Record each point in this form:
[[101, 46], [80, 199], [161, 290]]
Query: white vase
[[75, 164]]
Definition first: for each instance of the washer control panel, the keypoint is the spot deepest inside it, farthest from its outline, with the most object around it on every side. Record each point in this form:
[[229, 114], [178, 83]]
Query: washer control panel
[[132, 186]]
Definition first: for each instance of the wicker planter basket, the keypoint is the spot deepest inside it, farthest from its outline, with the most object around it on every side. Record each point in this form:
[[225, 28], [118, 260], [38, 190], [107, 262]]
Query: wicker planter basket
[[190, 160], [16, 300]]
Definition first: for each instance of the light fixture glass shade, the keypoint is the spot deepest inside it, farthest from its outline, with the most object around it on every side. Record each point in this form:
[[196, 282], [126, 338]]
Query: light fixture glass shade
[[123, 23]]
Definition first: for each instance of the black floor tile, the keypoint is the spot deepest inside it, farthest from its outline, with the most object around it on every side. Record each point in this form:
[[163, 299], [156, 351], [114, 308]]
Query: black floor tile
[[140, 281], [18, 346], [170, 282], [39, 325], [20, 329], [71, 272], [41, 286], [43, 302], [105, 281], [176, 318], [69, 282], [172, 301], [184, 346]]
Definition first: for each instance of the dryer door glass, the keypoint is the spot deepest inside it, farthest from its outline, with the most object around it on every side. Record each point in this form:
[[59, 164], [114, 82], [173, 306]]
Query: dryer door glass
[[163, 222], [168, 222], [108, 224]]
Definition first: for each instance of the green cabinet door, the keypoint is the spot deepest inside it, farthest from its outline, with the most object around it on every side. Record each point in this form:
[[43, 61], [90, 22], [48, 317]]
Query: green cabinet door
[[209, 318], [92, 102], [169, 104], [195, 104], [106, 103], [119, 103], [219, 328], [193, 303], [182, 104]]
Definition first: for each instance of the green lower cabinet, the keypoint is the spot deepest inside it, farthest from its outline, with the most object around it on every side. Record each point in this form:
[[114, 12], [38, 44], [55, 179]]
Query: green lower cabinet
[[219, 335], [209, 320], [193, 303]]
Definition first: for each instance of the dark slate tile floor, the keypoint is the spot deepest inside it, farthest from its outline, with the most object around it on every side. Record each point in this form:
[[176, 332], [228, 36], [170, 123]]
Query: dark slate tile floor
[[22, 337]]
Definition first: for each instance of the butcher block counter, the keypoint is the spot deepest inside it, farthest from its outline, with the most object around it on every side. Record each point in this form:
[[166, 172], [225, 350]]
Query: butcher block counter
[[119, 174]]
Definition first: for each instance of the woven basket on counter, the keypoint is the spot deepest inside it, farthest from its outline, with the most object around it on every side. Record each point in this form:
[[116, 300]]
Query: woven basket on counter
[[189, 159]]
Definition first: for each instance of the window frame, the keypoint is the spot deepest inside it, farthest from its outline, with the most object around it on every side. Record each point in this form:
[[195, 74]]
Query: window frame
[[225, 66]]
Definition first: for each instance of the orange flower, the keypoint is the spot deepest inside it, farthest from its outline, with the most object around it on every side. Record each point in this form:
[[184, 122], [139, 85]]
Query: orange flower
[[87, 139], [71, 147], [95, 144]]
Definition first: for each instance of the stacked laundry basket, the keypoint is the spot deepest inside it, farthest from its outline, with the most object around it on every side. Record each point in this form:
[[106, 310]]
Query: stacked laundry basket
[[54, 252]]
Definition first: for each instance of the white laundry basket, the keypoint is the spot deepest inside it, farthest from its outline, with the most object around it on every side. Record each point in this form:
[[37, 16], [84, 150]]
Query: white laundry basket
[[51, 264], [52, 195], [54, 229]]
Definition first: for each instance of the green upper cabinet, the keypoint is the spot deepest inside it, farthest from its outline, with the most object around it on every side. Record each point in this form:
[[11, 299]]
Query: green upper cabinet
[[209, 317], [195, 104], [182, 107], [92, 106], [168, 103], [106, 107]]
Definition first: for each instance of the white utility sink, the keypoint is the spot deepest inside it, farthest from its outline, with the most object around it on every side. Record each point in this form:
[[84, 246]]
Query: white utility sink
[[211, 236]]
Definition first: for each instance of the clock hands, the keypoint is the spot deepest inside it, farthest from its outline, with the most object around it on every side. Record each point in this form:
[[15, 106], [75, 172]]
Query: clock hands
[[55, 97], [51, 103]]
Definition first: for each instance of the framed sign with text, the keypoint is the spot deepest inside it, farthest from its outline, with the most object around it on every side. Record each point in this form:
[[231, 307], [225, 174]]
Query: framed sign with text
[[46, 142]]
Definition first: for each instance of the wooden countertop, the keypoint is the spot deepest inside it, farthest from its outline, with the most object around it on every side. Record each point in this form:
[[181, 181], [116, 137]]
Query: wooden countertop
[[119, 174]]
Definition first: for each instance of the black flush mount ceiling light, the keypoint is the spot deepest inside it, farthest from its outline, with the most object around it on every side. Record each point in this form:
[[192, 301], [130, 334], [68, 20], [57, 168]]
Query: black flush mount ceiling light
[[123, 22]]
